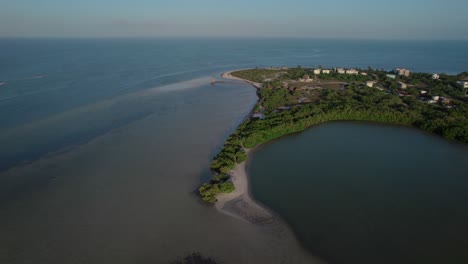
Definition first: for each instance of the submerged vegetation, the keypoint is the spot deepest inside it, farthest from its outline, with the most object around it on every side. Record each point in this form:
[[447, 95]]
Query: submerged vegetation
[[287, 106]]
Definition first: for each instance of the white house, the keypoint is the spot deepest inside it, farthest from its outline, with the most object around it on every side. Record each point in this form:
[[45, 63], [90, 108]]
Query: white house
[[326, 71], [340, 71], [435, 76], [352, 71], [370, 83], [464, 84], [402, 85], [317, 71], [403, 72]]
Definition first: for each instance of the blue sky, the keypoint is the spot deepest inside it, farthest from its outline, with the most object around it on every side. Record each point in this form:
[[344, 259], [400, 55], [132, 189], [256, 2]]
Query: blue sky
[[395, 19]]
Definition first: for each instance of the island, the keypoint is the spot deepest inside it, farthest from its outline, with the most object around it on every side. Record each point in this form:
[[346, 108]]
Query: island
[[291, 100]]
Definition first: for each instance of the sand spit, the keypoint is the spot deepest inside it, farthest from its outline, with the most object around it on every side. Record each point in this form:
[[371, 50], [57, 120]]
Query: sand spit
[[228, 75]]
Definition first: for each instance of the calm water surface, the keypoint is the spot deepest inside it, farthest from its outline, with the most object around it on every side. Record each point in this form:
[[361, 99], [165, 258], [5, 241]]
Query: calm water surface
[[103, 142], [365, 193]]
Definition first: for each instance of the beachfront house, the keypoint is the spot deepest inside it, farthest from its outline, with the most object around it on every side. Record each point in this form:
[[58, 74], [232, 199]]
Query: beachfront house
[[326, 71], [352, 71], [317, 71], [340, 70], [402, 72]]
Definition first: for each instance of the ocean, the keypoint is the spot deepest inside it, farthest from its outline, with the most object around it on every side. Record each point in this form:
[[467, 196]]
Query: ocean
[[104, 141]]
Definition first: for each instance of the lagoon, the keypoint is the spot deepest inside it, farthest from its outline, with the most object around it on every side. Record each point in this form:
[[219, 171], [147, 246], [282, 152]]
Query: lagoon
[[367, 193]]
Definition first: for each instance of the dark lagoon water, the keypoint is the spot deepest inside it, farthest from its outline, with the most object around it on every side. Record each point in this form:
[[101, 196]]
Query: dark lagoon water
[[366, 193], [103, 142]]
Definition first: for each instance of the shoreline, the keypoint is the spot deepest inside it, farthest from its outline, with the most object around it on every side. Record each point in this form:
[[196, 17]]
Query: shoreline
[[228, 75], [240, 204]]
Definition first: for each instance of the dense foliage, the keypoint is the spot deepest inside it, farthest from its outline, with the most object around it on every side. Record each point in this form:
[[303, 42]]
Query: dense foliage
[[362, 104], [226, 160]]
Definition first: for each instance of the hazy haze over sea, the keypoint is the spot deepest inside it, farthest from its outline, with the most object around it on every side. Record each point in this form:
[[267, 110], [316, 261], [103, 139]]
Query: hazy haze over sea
[[103, 142]]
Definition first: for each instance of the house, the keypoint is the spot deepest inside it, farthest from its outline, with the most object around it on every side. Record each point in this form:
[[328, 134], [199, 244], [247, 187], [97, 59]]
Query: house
[[423, 92], [317, 71], [306, 78], [402, 85], [464, 84], [370, 83], [340, 70], [352, 71], [435, 98], [326, 71], [363, 73], [435, 76], [402, 72], [391, 76]]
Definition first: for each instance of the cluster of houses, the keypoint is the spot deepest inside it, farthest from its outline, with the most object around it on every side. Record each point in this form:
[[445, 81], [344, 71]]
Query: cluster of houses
[[397, 71], [339, 71]]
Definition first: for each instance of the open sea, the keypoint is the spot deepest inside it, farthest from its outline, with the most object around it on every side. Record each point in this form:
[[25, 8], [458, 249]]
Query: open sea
[[103, 143]]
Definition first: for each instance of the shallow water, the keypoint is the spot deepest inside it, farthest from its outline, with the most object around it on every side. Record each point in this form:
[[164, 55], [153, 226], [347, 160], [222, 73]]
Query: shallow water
[[128, 196], [365, 193]]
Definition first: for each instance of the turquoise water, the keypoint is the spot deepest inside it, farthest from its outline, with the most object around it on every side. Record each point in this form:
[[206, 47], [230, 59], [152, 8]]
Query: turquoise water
[[103, 142], [364, 193]]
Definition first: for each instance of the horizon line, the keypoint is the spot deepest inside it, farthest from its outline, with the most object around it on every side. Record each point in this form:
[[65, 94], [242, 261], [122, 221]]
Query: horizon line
[[223, 37]]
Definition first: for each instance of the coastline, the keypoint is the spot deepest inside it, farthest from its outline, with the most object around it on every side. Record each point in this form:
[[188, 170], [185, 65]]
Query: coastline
[[240, 204], [228, 75]]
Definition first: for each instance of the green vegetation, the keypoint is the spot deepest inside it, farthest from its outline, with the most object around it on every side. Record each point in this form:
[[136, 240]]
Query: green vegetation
[[256, 75], [360, 104], [356, 102], [231, 154]]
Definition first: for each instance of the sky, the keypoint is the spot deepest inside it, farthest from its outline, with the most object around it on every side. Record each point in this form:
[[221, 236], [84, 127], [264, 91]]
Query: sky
[[346, 19]]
